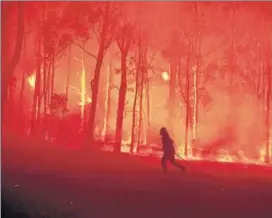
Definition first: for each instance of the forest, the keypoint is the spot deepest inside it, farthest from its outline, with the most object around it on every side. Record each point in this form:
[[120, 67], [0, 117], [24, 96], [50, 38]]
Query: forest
[[109, 75]]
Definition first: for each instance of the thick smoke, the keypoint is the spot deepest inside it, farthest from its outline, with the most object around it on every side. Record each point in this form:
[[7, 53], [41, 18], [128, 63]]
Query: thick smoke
[[231, 122]]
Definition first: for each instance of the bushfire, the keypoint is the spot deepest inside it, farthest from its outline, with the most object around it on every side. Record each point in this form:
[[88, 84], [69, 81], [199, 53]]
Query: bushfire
[[224, 156], [210, 89]]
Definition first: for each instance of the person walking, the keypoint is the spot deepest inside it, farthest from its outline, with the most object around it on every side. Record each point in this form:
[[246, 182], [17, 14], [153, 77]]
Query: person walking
[[168, 150]]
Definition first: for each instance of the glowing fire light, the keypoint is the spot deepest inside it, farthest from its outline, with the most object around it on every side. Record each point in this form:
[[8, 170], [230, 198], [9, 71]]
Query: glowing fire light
[[31, 80], [103, 132], [165, 76], [82, 103], [195, 102], [262, 154], [83, 90]]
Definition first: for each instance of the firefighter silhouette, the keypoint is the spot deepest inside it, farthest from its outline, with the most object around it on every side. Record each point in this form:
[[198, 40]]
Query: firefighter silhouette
[[168, 150]]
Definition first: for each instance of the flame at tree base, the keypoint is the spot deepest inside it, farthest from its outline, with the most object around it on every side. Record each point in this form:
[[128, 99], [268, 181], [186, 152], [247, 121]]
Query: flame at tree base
[[149, 149], [225, 157]]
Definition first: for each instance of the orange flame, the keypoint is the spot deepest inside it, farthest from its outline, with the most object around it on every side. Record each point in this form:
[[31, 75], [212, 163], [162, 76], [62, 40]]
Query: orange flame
[[165, 76], [82, 103], [83, 90], [262, 154], [31, 80]]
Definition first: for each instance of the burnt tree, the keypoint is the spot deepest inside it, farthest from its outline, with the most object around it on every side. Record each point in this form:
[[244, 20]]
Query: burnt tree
[[105, 38], [9, 63], [124, 41]]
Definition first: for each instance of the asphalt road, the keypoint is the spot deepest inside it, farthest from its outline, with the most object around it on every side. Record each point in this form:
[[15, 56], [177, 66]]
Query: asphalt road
[[57, 183]]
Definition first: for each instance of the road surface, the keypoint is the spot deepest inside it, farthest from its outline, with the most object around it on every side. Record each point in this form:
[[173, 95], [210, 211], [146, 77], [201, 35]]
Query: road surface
[[48, 182]]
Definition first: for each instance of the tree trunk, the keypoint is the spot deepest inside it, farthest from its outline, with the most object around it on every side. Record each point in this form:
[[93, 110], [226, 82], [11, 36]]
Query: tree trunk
[[106, 90], [45, 67], [197, 54], [69, 72], [9, 66], [95, 81], [137, 80], [51, 88], [194, 128], [39, 102], [48, 101], [108, 112], [268, 104], [140, 127], [259, 72], [48, 82], [95, 85], [232, 57], [23, 84], [183, 95], [22, 92], [134, 112], [121, 102], [148, 109], [82, 90], [195, 88], [188, 106], [44, 73], [187, 120], [45, 98], [144, 96], [52, 78], [37, 91], [172, 97]]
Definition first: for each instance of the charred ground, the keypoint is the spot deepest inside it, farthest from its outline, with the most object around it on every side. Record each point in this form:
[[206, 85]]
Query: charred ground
[[45, 181]]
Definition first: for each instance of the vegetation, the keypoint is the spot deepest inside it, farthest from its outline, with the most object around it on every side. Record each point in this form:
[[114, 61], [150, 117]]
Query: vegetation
[[205, 49]]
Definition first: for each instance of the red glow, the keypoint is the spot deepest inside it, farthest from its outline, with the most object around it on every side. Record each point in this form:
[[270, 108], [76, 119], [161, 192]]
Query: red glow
[[165, 76], [215, 96], [87, 87], [31, 80]]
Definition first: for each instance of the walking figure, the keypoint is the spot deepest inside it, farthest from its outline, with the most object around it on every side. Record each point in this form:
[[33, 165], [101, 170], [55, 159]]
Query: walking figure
[[168, 150]]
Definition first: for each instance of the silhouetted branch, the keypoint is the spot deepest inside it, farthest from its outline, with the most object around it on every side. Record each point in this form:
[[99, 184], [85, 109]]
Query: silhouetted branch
[[87, 52], [151, 59], [95, 33], [109, 41], [215, 48], [92, 82], [20, 37]]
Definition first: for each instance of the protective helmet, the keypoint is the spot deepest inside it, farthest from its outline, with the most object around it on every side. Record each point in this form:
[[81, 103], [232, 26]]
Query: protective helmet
[[163, 131]]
